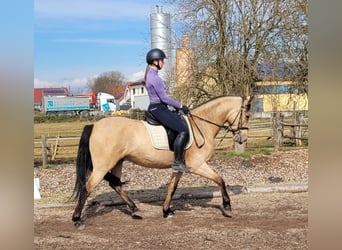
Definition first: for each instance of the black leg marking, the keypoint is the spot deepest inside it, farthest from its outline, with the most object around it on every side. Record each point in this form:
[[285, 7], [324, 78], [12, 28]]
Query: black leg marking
[[113, 180], [168, 212]]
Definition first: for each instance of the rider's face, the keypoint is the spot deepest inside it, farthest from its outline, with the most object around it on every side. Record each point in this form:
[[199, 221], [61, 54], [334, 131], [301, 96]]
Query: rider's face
[[161, 63]]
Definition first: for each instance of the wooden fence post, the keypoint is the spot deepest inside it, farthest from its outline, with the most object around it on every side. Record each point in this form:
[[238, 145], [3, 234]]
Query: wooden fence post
[[55, 149], [278, 130], [298, 130], [44, 151], [239, 148]]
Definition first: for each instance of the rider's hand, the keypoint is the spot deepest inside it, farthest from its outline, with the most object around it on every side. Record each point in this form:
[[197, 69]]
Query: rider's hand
[[185, 109]]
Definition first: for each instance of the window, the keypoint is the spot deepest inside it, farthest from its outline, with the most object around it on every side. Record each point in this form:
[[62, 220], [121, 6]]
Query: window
[[282, 89], [279, 89], [258, 105], [272, 89]]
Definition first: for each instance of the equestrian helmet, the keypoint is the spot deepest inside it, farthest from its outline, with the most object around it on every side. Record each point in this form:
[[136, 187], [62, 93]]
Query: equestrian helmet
[[155, 54]]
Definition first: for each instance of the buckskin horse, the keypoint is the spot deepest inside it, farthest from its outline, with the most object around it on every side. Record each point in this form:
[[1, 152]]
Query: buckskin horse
[[106, 144]]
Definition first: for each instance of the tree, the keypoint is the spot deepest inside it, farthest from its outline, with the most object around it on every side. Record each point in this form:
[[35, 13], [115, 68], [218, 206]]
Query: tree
[[235, 40], [107, 82]]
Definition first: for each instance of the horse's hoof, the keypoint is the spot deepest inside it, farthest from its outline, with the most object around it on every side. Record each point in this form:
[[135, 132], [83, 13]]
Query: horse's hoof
[[79, 225], [136, 216], [227, 212], [134, 212], [168, 213]]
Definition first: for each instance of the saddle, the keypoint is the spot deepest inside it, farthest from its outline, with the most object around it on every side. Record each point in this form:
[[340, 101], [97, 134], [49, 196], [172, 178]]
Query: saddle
[[161, 137], [150, 119]]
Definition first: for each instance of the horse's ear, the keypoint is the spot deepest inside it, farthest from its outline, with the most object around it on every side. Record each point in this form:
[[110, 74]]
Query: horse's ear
[[250, 99]]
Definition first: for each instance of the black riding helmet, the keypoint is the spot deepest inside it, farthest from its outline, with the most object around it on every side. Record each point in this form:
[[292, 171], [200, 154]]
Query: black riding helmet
[[155, 54]]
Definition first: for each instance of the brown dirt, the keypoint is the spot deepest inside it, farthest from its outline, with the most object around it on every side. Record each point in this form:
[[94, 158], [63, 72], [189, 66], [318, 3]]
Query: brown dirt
[[260, 220]]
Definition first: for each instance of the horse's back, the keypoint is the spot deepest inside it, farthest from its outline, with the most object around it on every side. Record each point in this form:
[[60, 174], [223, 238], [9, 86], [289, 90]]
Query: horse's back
[[115, 138], [116, 126]]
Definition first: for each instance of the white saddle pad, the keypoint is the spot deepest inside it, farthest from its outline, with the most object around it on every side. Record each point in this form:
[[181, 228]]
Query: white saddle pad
[[159, 138]]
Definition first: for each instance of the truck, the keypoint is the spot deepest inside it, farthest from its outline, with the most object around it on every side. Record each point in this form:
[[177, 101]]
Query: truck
[[81, 104], [105, 102]]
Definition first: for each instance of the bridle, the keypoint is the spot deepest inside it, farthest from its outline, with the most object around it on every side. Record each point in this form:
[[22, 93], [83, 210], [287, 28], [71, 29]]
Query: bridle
[[228, 128]]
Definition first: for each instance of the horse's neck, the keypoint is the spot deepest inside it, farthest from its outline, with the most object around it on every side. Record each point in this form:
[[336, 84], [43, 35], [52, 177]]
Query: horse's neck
[[216, 112], [210, 118]]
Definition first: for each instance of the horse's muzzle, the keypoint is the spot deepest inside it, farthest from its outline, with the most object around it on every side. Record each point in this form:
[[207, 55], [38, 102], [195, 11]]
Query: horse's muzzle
[[239, 138]]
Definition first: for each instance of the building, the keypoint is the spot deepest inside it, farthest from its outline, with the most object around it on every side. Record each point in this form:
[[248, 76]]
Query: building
[[40, 92], [184, 62], [136, 95], [160, 26], [278, 96]]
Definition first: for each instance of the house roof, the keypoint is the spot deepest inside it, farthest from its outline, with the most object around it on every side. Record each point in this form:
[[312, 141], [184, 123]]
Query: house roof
[[40, 92], [136, 83]]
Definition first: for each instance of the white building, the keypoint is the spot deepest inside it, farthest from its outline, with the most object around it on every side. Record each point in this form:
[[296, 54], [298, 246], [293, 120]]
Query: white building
[[136, 94]]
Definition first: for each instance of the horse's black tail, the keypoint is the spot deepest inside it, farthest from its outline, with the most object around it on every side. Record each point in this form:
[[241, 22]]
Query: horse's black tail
[[84, 165]]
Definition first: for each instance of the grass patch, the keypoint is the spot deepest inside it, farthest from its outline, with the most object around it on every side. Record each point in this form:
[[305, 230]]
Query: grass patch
[[248, 152], [233, 154], [64, 118], [54, 198], [261, 150]]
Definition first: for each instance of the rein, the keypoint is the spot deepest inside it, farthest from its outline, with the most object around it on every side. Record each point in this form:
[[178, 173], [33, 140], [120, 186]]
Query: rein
[[228, 127]]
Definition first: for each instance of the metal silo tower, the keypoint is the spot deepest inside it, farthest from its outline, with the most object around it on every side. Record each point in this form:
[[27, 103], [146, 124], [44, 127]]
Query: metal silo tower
[[160, 23]]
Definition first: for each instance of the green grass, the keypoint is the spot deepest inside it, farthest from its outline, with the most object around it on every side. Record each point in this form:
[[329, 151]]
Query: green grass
[[250, 151], [54, 198], [233, 154], [262, 150], [247, 154]]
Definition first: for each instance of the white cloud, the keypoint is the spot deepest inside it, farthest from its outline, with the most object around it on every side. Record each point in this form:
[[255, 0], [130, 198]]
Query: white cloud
[[44, 84], [137, 76], [79, 85], [76, 86]]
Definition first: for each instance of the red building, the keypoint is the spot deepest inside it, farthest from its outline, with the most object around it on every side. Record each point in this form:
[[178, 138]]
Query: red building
[[40, 92]]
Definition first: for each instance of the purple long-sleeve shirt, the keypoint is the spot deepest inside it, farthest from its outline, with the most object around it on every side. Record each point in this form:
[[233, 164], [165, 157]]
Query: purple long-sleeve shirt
[[156, 89]]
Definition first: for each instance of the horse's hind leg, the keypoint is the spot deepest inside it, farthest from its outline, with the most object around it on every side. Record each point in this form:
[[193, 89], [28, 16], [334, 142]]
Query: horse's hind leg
[[114, 181], [93, 180], [205, 171], [171, 189]]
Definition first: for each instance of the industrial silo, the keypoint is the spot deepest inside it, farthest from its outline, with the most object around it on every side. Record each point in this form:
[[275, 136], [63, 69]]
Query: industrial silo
[[160, 24]]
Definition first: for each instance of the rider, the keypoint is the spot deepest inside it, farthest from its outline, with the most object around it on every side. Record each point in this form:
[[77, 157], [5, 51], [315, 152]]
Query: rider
[[158, 107]]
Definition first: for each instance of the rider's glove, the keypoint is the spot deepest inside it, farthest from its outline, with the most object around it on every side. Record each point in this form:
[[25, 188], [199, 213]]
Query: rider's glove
[[185, 109]]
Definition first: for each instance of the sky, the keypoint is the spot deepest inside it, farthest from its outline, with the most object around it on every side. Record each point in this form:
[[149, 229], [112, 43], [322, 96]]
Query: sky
[[77, 40]]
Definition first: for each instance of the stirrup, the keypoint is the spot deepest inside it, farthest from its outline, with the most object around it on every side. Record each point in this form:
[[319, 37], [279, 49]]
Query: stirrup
[[180, 167]]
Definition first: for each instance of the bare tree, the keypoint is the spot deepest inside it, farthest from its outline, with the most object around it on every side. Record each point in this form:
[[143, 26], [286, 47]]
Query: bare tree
[[234, 41], [107, 82]]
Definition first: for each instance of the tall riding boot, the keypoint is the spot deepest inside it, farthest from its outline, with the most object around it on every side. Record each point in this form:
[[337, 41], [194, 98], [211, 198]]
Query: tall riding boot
[[179, 146]]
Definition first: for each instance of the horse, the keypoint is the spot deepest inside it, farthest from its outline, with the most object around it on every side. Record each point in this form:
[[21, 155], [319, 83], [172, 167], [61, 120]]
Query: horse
[[107, 143]]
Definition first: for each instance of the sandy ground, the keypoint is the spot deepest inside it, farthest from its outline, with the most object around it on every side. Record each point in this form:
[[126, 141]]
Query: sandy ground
[[262, 220]]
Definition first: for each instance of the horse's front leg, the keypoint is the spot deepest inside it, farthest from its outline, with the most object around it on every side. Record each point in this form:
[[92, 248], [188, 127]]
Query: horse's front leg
[[206, 171], [171, 189], [114, 179]]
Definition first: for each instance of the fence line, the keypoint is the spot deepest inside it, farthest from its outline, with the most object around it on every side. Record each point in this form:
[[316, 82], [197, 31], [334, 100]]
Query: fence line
[[48, 149], [297, 129]]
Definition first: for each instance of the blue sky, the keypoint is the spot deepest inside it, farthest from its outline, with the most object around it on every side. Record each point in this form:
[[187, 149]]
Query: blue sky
[[75, 40]]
